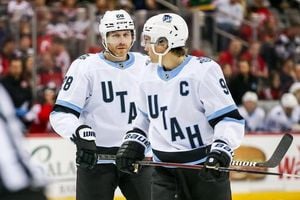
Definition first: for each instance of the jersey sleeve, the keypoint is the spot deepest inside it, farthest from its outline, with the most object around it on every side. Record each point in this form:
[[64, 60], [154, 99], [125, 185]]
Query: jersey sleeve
[[76, 87], [72, 96], [220, 109], [64, 124]]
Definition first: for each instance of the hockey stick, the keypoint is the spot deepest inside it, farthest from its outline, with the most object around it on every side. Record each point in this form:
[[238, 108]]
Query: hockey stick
[[274, 160], [222, 169]]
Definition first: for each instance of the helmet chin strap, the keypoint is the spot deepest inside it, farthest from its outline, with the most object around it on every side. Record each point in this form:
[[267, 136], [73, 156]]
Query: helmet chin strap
[[160, 55]]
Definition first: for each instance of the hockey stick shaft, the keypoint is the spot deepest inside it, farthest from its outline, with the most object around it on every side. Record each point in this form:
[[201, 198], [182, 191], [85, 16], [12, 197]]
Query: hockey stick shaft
[[223, 169], [274, 160]]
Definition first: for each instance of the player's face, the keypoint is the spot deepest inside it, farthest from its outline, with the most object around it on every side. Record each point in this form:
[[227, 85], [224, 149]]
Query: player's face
[[119, 42], [249, 106], [159, 47]]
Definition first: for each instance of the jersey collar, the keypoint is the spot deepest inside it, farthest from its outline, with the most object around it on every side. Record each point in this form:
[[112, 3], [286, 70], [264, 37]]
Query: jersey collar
[[168, 75], [120, 65]]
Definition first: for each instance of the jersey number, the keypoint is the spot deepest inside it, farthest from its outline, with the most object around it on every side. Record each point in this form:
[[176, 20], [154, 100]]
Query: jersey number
[[67, 82], [224, 86]]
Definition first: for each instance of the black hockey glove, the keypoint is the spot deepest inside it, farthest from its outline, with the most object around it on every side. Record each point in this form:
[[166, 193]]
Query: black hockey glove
[[220, 156], [86, 155], [133, 149]]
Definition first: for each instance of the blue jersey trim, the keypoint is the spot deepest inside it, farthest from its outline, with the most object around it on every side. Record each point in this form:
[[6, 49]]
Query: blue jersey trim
[[168, 75], [120, 65], [68, 105], [241, 121], [221, 112]]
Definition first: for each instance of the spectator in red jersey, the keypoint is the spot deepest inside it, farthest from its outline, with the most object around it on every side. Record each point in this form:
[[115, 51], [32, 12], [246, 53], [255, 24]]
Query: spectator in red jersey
[[259, 9], [263, 21], [272, 90], [8, 51], [49, 73], [231, 56], [41, 112], [257, 63]]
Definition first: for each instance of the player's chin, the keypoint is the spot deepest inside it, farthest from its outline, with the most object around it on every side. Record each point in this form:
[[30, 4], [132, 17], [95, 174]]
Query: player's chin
[[122, 52]]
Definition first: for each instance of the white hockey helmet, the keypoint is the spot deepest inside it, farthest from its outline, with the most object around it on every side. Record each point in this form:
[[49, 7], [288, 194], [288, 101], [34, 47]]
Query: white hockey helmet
[[295, 87], [115, 20], [288, 100], [250, 96], [169, 26]]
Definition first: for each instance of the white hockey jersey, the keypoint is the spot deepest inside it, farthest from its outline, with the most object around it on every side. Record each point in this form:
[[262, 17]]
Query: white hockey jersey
[[103, 93], [277, 120], [180, 106], [255, 120]]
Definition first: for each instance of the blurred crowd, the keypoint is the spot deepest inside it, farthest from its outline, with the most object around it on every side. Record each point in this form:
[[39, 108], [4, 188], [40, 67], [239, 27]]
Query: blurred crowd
[[260, 59]]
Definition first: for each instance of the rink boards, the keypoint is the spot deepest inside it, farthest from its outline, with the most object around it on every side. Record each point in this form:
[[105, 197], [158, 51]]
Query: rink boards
[[56, 157]]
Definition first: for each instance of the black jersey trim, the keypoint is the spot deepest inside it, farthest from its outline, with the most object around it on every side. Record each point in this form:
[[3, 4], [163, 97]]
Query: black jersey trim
[[182, 156], [234, 114], [59, 108]]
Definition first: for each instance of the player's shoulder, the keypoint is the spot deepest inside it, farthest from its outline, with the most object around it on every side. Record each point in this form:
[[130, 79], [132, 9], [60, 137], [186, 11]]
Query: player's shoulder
[[204, 61], [84, 61], [88, 57], [204, 64], [139, 57]]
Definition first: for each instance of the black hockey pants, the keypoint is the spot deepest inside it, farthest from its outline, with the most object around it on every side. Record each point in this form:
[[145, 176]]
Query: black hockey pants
[[100, 183], [187, 184]]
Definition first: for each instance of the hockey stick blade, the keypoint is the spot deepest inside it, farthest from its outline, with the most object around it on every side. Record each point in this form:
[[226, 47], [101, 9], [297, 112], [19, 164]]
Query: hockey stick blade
[[276, 157], [279, 152]]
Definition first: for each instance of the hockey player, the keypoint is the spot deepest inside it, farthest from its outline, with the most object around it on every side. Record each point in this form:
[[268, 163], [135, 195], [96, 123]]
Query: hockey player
[[284, 116], [188, 114], [96, 106], [253, 114], [19, 178]]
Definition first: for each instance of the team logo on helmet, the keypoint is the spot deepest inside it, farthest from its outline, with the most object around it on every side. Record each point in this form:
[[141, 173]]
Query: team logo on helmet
[[167, 18], [120, 16]]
